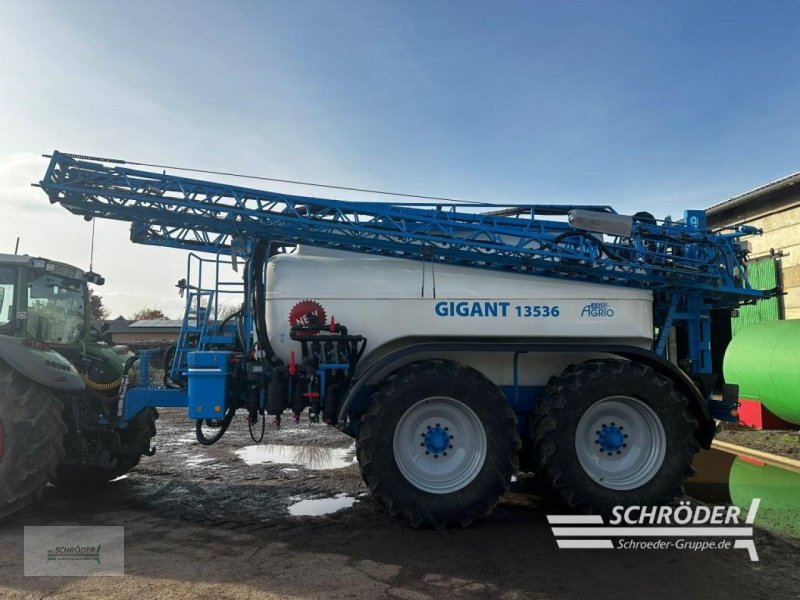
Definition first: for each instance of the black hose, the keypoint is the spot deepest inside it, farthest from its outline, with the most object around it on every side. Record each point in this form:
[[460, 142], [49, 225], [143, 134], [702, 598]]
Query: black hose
[[236, 313], [129, 363], [166, 364], [263, 429], [259, 258], [226, 421]]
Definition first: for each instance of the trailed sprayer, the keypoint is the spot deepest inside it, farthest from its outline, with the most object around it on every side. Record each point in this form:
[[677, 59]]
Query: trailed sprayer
[[456, 343]]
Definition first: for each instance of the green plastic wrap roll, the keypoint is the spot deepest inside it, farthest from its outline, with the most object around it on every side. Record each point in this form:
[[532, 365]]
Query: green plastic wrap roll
[[778, 489], [764, 359]]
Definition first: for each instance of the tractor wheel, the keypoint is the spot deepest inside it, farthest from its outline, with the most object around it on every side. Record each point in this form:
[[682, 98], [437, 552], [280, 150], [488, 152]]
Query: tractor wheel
[[612, 433], [31, 439], [135, 442], [438, 444]]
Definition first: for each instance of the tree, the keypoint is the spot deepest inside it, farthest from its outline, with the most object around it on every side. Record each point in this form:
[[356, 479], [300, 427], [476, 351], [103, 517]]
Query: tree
[[148, 313], [226, 310], [97, 310]]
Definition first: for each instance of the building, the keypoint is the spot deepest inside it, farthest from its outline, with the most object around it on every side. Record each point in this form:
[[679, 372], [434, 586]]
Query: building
[[775, 258], [774, 262], [124, 331]]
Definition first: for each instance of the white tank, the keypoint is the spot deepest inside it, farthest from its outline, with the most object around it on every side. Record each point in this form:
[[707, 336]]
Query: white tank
[[389, 299]]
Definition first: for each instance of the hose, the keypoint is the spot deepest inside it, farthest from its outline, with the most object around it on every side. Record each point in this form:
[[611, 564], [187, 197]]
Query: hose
[[224, 424], [263, 429], [166, 365], [100, 387], [259, 259]]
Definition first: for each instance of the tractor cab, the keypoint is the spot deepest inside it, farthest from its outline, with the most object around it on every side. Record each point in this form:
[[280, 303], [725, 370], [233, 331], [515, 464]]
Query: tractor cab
[[43, 301]]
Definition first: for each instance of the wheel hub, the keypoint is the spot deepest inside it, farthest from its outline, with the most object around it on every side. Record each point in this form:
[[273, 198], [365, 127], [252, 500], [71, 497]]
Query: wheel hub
[[437, 440], [611, 438]]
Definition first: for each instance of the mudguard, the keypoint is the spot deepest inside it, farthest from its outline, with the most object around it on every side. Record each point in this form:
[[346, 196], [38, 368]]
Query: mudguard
[[46, 367]]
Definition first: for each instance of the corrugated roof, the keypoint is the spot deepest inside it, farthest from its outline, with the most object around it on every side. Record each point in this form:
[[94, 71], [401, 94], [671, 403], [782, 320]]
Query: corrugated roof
[[155, 323], [115, 325], [774, 186]]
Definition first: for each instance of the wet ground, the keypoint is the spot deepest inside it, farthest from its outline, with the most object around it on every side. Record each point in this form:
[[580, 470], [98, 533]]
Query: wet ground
[[294, 520], [726, 478], [783, 442]]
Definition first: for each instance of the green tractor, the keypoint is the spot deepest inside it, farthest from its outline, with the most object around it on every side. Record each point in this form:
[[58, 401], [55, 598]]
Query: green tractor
[[60, 383]]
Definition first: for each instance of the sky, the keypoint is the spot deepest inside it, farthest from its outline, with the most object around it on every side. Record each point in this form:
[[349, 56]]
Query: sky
[[658, 106]]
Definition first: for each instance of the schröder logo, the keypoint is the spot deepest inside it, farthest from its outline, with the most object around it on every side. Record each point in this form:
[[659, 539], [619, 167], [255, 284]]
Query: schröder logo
[[74, 553], [597, 309], [684, 527]]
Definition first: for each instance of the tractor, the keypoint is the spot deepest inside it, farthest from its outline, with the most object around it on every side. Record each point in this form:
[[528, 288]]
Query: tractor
[[60, 380]]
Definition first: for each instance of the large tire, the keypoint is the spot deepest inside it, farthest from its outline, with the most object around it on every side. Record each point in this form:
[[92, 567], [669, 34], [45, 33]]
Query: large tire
[[411, 466], [612, 433], [31, 439], [134, 442]]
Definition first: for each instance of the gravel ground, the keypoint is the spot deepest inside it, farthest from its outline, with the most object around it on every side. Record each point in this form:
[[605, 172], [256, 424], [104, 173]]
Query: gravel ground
[[201, 522]]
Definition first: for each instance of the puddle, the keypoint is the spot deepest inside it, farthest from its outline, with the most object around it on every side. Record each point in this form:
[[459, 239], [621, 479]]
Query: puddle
[[724, 478], [321, 506], [316, 458]]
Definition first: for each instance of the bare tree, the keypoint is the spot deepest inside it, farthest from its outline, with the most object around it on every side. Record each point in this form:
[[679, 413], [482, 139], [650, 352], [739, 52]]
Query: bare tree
[[149, 313]]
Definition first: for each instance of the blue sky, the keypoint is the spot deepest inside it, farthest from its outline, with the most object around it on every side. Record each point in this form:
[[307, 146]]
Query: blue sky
[[657, 106]]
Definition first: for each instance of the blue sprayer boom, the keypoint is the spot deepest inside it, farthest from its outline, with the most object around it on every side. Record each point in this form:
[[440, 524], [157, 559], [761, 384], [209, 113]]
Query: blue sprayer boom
[[578, 333]]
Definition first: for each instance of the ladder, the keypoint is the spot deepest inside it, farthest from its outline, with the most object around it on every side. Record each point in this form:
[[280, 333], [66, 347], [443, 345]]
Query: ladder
[[203, 327]]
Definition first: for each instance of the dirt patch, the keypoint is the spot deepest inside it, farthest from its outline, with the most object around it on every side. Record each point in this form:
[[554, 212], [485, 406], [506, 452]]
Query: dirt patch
[[201, 522], [783, 443]]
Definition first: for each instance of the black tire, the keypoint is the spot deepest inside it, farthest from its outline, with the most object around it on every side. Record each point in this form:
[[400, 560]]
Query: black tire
[[555, 427], [135, 442], [31, 439], [407, 388]]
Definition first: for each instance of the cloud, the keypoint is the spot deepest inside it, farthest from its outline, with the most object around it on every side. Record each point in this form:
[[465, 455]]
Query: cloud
[[17, 171]]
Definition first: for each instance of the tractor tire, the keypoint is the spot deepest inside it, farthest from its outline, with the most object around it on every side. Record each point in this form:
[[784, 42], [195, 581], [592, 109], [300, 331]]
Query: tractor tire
[[612, 433], [31, 439], [136, 437], [438, 444]]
